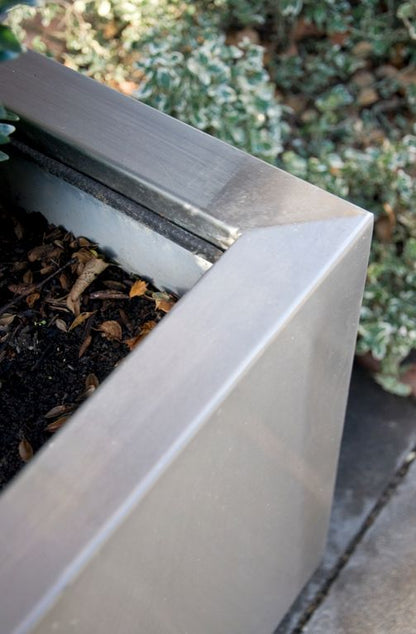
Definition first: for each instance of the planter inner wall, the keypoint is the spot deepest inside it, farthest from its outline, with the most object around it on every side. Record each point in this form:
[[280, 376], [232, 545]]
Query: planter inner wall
[[141, 242]]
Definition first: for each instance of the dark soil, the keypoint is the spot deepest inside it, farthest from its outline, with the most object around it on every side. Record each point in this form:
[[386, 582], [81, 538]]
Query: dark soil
[[44, 363]]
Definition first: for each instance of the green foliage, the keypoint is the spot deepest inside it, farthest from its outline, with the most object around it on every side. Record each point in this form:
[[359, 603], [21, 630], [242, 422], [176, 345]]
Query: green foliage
[[191, 73], [279, 13], [237, 13], [380, 179], [6, 129], [379, 22], [10, 47], [9, 44], [96, 37], [407, 13], [330, 95]]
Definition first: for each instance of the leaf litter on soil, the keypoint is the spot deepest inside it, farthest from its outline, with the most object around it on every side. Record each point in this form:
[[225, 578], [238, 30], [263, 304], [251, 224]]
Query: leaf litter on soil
[[68, 315]]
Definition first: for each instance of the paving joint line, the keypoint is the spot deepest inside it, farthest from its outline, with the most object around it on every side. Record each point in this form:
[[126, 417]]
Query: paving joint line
[[383, 500]]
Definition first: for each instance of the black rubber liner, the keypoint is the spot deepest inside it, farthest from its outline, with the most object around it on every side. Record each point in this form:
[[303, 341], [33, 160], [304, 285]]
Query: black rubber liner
[[106, 195]]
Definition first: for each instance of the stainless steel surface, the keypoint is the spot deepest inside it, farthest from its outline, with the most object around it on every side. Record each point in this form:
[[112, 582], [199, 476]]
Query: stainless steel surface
[[192, 492], [185, 175], [194, 495], [121, 229]]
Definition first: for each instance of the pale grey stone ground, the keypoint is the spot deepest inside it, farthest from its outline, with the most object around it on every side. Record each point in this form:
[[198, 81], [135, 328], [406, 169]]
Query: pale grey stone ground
[[376, 591], [380, 432]]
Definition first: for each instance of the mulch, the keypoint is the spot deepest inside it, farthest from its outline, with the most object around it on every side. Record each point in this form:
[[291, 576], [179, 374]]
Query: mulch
[[68, 316]]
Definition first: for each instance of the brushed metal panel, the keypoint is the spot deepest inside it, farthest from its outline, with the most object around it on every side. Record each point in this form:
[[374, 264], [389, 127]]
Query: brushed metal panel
[[192, 492], [196, 181]]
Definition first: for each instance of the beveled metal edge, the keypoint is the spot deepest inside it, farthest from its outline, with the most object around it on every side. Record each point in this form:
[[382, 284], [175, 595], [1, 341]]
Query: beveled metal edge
[[120, 442], [202, 184]]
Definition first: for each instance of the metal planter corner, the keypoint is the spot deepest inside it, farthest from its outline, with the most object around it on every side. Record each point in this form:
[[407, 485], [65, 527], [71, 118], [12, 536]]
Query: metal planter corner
[[192, 493]]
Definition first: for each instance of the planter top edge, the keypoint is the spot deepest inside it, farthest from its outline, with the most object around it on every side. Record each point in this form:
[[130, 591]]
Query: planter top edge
[[200, 183]]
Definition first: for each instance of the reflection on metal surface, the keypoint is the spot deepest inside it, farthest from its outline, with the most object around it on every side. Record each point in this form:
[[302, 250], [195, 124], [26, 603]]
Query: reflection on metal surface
[[193, 496], [198, 182]]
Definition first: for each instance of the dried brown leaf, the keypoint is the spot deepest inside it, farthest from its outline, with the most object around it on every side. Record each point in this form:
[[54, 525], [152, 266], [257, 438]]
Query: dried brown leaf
[[85, 344], [56, 424], [363, 49], [164, 305], [64, 282], [86, 393], [383, 229], [40, 252], [57, 411], [55, 253], [163, 301], [385, 225], [61, 325], [80, 320], [91, 381], [133, 341], [21, 289], [146, 328], [139, 288], [57, 304], [28, 277], [92, 269], [367, 96], [7, 319], [45, 270], [25, 450], [390, 212], [32, 299], [111, 330], [84, 255], [108, 295], [83, 242]]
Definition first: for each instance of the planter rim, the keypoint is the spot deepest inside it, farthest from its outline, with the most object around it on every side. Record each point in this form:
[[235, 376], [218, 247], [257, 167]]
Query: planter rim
[[200, 183]]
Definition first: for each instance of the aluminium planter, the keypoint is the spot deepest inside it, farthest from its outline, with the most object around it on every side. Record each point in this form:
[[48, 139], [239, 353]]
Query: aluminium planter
[[192, 493]]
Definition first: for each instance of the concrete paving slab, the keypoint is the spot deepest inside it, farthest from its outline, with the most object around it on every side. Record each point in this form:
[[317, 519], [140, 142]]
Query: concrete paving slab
[[380, 430], [376, 591]]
